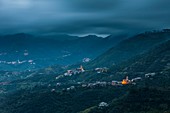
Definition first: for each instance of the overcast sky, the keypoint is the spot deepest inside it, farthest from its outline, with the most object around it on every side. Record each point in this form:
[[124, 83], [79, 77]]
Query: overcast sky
[[83, 16]]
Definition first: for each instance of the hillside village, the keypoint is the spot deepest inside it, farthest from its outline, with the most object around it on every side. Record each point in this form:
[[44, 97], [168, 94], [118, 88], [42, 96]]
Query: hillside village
[[103, 70], [95, 84]]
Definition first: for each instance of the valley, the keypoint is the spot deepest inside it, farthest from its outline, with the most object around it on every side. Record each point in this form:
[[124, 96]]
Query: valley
[[20, 52], [131, 77]]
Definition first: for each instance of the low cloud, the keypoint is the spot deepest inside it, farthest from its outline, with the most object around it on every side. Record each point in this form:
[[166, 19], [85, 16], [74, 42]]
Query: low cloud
[[83, 16]]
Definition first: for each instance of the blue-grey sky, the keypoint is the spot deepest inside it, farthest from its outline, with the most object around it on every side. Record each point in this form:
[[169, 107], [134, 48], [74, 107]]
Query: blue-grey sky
[[83, 16]]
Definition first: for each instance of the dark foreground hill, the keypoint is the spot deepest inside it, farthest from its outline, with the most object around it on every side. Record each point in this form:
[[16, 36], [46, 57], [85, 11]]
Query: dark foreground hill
[[42, 100], [143, 100]]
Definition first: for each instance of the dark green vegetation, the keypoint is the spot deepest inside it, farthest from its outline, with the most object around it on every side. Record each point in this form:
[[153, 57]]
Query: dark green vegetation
[[130, 48], [148, 53], [42, 100], [143, 100]]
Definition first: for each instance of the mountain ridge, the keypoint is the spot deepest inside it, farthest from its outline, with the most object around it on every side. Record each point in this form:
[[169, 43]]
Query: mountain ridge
[[127, 48]]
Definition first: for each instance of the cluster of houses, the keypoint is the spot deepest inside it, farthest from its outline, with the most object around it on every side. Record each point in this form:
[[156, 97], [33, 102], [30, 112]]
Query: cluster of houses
[[70, 88], [125, 81], [95, 84], [103, 105], [82, 70], [75, 71], [101, 70], [17, 62], [148, 75], [85, 60]]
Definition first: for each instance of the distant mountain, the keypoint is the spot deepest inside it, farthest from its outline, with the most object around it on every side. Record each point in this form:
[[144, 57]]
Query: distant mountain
[[129, 48], [24, 51], [60, 37]]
